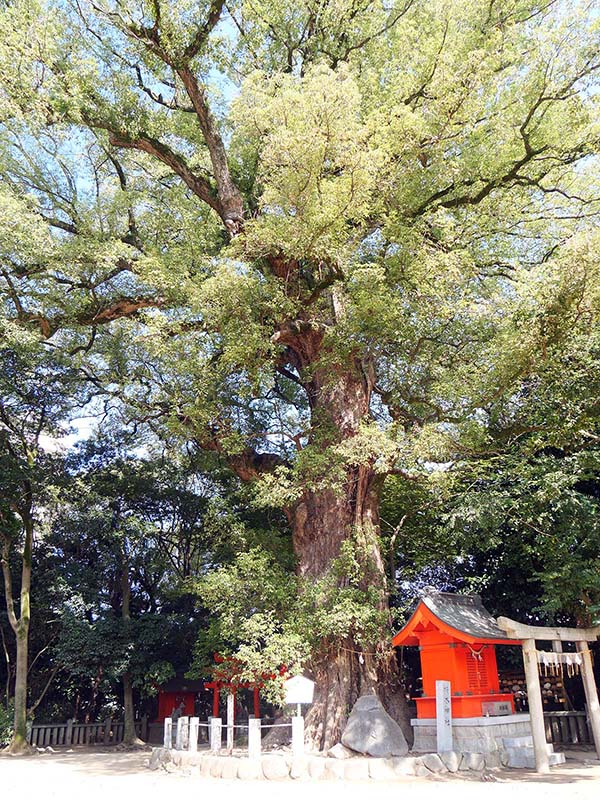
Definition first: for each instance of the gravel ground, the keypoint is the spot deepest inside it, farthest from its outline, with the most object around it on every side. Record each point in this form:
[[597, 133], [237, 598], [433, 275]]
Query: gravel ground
[[123, 776]]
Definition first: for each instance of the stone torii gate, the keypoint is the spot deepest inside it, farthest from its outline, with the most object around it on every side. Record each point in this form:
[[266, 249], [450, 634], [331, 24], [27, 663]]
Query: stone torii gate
[[581, 636]]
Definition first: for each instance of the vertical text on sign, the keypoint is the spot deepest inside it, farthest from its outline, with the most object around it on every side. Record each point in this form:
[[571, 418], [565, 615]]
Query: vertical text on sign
[[443, 713]]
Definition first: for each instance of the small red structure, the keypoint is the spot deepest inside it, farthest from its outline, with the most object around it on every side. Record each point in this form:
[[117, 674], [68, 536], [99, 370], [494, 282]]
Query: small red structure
[[456, 638], [178, 694], [226, 676]]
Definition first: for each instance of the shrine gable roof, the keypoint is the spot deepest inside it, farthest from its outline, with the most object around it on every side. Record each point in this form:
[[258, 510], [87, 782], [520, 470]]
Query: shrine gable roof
[[463, 617]]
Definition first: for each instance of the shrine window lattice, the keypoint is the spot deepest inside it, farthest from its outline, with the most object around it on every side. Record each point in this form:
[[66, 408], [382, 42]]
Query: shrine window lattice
[[476, 672]]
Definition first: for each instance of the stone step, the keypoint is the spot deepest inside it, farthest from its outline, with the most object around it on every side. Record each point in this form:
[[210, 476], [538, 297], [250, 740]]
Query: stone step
[[523, 742], [524, 758]]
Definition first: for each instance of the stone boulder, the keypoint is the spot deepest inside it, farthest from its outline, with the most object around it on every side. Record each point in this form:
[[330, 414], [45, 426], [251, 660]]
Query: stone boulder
[[451, 760], [230, 767], [339, 751], [334, 769], [275, 768], [249, 769], [371, 730], [434, 763]]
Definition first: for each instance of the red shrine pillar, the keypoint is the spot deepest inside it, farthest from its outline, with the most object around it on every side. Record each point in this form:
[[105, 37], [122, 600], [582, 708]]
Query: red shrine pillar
[[256, 703]]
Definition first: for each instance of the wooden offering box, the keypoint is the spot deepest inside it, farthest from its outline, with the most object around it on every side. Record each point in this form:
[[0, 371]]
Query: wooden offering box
[[456, 638]]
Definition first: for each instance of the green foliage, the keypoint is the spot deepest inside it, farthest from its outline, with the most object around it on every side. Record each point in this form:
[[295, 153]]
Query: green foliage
[[266, 617], [6, 724]]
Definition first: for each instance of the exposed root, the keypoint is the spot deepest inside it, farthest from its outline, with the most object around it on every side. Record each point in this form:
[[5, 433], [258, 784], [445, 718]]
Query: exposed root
[[20, 748]]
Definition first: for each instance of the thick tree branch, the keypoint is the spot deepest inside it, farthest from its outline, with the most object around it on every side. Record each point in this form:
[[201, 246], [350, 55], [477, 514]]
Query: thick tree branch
[[230, 199], [100, 314], [147, 144], [117, 309], [228, 202], [248, 465], [204, 31]]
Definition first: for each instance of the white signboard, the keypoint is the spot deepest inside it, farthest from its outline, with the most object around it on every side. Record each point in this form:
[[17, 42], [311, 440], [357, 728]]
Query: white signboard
[[299, 690], [443, 715]]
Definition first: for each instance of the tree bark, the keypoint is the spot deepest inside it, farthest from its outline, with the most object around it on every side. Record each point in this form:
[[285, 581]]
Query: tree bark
[[344, 672], [129, 734], [321, 522], [20, 625], [19, 740]]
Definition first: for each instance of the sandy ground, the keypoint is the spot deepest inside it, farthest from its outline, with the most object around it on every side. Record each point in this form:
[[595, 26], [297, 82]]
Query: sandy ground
[[114, 776]]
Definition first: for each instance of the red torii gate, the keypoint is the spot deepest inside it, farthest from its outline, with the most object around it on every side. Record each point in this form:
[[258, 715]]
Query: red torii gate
[[226, 676]]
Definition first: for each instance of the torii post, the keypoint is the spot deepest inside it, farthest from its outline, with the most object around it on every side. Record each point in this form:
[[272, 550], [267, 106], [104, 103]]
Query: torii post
[[581, 636]]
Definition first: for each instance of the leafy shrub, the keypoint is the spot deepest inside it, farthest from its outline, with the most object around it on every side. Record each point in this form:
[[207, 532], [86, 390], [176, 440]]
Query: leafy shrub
[[6, 724]]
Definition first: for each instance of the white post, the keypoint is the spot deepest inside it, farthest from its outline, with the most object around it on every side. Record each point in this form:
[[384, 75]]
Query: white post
[[182, 734], [254, 737], [230, 721], [168, 739], [297, 737], [193, 737], [443, 716], [216, 726], [591, 692], [536, 708]]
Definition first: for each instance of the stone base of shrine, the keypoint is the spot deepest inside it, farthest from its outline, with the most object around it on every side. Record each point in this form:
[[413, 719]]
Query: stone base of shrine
[[472, 734]]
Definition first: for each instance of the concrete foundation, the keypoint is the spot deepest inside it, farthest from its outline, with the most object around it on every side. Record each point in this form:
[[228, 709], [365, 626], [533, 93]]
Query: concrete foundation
[[472, 734]]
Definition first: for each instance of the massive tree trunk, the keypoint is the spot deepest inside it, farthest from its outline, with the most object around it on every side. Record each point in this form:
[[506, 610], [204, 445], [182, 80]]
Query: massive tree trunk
[[322, 521], [347, 669]]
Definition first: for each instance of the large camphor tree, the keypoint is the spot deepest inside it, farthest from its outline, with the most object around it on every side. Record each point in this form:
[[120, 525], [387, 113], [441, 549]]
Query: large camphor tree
[[319, 238]]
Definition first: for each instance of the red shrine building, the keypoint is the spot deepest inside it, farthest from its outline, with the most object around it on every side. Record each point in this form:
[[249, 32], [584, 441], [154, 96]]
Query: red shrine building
[[457, 641], [178, 695]]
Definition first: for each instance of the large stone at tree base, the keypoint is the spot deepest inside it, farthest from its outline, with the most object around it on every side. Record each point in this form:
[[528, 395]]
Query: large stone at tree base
[[159, 756], [474, 761], [371, 730], [316, 767], [404, 765], [216, 767], [206, 766]]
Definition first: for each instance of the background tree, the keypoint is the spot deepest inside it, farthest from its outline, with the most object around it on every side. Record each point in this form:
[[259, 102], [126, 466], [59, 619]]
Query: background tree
[[323, 236], [37, 393]]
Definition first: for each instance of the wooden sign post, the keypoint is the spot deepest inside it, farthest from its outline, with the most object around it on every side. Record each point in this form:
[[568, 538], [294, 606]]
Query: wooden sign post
[[443, 715]]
